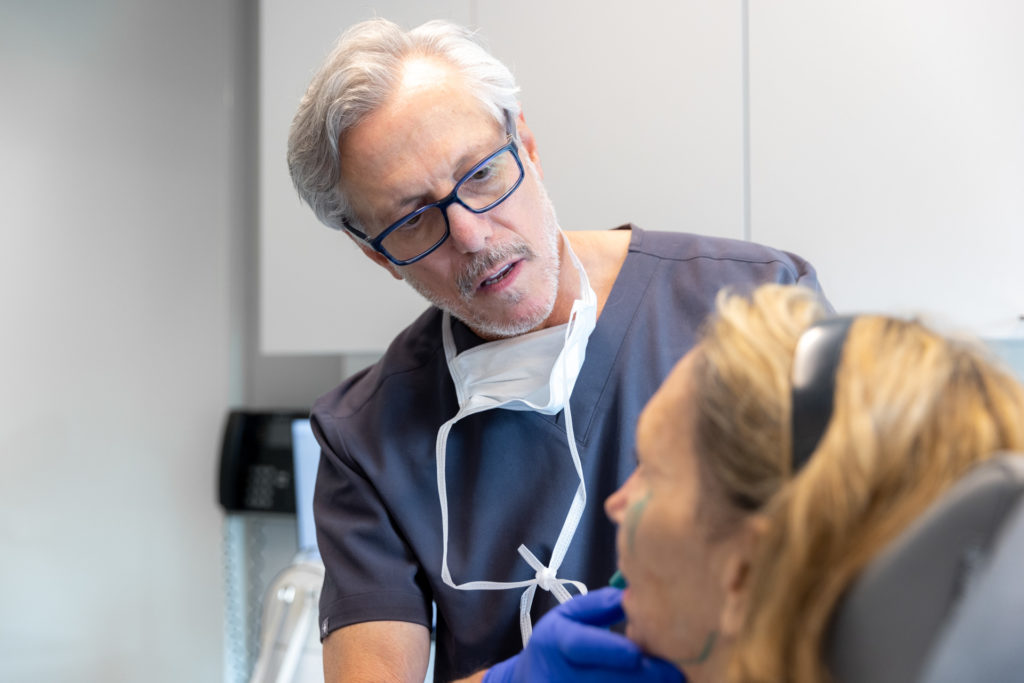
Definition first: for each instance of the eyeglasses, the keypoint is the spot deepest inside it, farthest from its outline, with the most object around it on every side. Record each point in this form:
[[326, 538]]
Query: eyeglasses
[[416, 235]]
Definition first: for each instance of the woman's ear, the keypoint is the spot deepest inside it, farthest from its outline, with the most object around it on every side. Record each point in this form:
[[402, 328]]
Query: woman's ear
[[736, 576]]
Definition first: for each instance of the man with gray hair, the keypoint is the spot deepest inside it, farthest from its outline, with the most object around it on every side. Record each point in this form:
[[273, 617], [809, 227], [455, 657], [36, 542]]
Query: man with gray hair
[[457, 470]]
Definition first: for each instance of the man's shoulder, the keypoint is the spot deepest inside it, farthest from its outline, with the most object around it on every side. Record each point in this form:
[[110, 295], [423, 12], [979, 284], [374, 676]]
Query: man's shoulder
[[706, 263], [409, 363], [683, 246]]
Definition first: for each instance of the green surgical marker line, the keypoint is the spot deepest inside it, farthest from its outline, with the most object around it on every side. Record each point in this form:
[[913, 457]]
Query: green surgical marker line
[[705, 652], [633, 515], [617, 580]]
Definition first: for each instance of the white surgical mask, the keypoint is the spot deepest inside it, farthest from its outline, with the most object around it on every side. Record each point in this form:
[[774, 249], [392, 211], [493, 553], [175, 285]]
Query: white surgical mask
[[534, 371]]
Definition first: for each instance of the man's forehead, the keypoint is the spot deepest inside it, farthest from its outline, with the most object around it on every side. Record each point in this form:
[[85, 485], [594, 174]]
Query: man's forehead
[[420, 140], [431, 99], [427, 73]]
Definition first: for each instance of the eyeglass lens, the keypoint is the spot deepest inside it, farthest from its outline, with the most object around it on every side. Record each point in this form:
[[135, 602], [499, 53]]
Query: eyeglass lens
[[482, 189]]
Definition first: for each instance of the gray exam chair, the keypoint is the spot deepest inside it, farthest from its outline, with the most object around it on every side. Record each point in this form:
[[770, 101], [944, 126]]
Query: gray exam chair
[[945, 601]]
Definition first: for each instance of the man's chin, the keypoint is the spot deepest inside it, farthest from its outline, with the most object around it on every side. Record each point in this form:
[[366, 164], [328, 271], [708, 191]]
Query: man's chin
[[489, 325], [501, 329]]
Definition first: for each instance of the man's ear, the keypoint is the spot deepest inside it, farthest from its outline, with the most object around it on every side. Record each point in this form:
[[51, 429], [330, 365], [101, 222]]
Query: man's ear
[[528, 142], [736, 577], [375, 256]]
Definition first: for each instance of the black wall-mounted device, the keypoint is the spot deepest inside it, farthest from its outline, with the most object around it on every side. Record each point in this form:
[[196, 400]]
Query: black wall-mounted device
[[256, 466]]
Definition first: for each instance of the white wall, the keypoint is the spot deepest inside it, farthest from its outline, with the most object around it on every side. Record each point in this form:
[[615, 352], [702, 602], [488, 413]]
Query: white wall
[[121, 348]]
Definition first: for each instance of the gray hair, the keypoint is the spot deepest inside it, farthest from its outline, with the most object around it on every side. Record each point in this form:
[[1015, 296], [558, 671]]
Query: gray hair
[[357, 78]]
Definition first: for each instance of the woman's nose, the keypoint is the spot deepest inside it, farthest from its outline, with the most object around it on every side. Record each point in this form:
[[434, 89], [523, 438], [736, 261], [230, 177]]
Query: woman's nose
[[615, 504]]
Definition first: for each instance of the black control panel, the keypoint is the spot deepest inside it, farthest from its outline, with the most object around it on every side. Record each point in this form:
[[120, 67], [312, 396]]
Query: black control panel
[[256, 465]]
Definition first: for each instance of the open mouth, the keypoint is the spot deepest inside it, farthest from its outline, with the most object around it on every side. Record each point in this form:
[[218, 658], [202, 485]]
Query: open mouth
[[499, 276]]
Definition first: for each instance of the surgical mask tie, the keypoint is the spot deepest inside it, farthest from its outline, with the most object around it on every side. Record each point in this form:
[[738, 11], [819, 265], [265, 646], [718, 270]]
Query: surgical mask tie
[[531, 372]]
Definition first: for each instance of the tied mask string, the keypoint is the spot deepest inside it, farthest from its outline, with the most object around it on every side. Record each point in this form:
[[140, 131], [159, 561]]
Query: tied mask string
[[482, 395], [546, 576]]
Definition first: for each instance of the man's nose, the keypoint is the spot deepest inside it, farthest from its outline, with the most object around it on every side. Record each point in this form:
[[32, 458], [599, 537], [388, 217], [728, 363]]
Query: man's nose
[[469, 232]]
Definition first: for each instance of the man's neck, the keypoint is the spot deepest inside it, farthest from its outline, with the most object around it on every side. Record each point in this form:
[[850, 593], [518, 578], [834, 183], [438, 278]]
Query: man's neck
[[602, 253]]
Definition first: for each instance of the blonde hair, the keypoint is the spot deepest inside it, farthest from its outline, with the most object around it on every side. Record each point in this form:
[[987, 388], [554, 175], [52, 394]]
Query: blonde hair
[[742, 373], [913, 411]]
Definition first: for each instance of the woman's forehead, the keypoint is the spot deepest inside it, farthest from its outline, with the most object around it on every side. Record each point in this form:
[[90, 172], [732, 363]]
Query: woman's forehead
[[665, 427]]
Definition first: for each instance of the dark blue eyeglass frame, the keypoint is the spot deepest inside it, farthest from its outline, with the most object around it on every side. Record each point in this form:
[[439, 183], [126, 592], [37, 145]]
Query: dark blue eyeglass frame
[[443, 204]]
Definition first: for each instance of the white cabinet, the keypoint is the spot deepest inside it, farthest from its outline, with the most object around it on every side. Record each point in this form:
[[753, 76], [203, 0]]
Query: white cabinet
[[637, 108]]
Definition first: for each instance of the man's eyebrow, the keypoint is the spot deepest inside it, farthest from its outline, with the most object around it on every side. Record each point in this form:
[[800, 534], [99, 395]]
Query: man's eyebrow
[[415, 200], [462, 166]]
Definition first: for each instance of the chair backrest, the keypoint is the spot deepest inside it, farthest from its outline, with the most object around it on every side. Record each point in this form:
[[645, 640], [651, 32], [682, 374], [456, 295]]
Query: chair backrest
[[888, 623], [984, 639]]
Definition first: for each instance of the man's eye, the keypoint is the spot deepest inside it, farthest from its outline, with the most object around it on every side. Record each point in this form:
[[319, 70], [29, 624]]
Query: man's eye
[[483, 173], [410, 224]]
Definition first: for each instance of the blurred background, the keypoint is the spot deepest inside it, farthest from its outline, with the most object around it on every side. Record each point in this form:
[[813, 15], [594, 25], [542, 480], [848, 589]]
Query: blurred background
[[158, 272]]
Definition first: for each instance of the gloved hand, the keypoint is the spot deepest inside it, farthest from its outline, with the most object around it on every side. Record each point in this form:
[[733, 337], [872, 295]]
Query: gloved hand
[[572, 643]]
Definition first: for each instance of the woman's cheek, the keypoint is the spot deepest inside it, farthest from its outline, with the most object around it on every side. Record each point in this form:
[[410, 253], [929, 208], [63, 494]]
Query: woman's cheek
[[634, 515]]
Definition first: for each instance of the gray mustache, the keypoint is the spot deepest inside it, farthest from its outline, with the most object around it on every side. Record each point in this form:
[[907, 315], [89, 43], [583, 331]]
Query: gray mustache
[[483, 262]]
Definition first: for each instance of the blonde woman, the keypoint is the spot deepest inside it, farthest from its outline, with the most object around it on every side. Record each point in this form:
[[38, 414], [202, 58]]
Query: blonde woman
[[778, 458]]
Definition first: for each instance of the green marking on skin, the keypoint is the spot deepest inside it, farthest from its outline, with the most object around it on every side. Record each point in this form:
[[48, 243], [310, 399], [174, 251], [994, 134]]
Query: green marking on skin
[[617, 580], [709, 644], [633, 515]]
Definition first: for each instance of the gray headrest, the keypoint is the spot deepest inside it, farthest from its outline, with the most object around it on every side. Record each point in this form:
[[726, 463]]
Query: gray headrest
[[885, 626], [984, 639]]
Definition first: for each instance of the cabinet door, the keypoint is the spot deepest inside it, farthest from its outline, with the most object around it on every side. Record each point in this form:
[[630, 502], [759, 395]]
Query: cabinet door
[[318, 292], [637, 107], [887, 146]]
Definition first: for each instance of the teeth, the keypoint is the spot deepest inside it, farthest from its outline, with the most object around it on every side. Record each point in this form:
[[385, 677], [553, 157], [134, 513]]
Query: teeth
[[498, 276]]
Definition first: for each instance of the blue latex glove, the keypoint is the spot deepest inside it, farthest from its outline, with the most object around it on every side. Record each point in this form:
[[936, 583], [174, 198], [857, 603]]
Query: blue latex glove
[[572, 643]]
